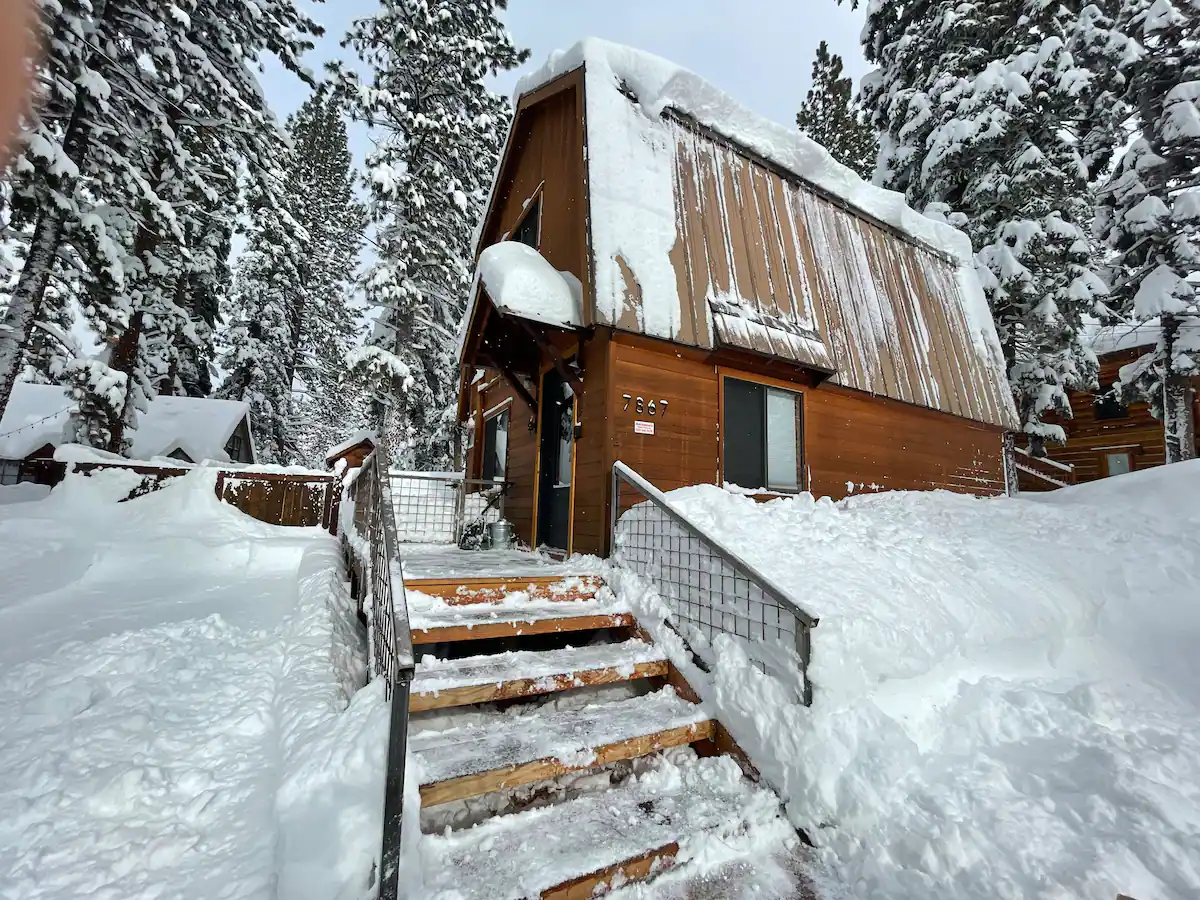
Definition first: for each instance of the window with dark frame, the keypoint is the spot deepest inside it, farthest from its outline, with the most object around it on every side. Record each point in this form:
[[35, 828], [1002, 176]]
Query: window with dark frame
[[527, 231], [10, 471], [236, 447], [763, 437], [495, 446], [1110, 407]]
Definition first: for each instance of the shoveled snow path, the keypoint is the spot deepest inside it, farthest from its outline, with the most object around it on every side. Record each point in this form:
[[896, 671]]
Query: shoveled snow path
[[435, 675], [566, 735], [698, 803], [161, 663]]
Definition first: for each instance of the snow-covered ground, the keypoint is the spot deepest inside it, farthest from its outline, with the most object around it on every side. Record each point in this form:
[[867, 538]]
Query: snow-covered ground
[[173, 676], [1007, 692]]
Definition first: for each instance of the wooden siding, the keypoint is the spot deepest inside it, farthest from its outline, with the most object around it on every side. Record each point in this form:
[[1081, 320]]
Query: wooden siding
[[593, 465], [808, 277], [1089, 439], [545, 150], [522, 450]]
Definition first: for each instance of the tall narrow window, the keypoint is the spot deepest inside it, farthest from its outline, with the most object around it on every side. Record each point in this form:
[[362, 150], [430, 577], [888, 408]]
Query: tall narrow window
[[495, 446], [763, 437], [528, 230]]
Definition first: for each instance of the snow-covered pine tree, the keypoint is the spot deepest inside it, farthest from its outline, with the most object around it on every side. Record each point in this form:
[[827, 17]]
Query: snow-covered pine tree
[[981, 106], [321, 181], [439, 134], [1150, 210], [832, 117], [114, 211], [261, 341]]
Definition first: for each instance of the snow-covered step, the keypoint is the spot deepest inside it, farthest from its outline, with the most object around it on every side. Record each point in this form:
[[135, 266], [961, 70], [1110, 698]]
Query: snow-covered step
[[434, 622], [628, 832], [442, 683], [463, 590], [512, 750]]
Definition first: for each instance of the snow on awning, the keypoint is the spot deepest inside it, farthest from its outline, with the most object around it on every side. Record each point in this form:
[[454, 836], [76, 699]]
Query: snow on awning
[[522, 283], [739, 325]]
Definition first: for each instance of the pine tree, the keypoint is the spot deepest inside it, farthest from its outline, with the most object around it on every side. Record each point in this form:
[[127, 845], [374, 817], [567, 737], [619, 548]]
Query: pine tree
[[440, 131], [143, 113], [261, 340], [982, 107], [832, 117], [1150, 210], [322, 183]]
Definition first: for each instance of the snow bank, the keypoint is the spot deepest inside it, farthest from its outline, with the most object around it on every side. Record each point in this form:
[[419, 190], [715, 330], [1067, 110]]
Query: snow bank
[[166, 664], [521, 283], [1005, 690]]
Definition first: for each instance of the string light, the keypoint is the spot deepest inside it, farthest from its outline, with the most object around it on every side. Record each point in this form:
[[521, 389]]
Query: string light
[[29, 425]]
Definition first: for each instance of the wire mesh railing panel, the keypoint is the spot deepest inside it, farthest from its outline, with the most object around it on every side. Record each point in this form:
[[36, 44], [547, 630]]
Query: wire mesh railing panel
[[434, 508], [369, 538], [707, 589]]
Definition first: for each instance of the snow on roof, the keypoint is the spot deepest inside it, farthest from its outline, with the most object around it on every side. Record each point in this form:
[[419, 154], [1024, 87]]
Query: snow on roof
[[804, 268], [521, 282], [38, 414], [354, 440], [1125, 336]]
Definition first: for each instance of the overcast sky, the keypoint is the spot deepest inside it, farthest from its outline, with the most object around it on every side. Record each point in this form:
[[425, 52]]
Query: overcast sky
[[760, 51]]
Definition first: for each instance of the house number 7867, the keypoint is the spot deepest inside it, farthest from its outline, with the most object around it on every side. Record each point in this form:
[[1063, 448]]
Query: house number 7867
[[644, 407]]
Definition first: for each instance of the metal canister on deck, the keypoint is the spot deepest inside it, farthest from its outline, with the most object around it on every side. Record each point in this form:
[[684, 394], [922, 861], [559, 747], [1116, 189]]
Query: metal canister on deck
[[500, 535]]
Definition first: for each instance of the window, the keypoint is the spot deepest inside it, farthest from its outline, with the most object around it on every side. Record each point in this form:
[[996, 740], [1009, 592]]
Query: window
[[763, 436], [528, 230], [1109, 407], [495, 446], [10, 471], [566, 436], [236, 446], [1118, 463]]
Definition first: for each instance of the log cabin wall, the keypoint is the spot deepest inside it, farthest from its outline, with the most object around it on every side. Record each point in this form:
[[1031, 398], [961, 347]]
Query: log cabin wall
[[1090, 439]]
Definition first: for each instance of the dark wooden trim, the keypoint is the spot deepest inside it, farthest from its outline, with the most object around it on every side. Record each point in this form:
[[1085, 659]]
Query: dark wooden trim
[[555, 357], [520, 389]]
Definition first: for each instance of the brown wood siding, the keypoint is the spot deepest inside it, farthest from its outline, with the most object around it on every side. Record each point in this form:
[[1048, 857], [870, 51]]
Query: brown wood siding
[[1139, 434], [593, 465], [546, 148], [522, 451], [788, 261], [684, 448]]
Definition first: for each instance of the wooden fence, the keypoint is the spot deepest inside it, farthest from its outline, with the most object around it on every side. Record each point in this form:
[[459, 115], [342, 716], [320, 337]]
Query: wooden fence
[[277, 498]]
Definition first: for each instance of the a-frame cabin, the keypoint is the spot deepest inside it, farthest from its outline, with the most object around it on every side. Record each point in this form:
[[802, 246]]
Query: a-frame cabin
[[667, 279]]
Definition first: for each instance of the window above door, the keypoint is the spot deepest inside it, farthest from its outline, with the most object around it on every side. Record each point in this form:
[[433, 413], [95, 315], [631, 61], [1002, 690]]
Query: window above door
[[529, 229]]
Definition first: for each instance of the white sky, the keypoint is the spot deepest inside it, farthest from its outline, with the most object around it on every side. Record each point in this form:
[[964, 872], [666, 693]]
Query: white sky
[[759, 51]]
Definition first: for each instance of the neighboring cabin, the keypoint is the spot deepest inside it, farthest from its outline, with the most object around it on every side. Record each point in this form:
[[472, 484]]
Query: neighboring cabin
[[666, 279], [187, 429], [1104, 436]]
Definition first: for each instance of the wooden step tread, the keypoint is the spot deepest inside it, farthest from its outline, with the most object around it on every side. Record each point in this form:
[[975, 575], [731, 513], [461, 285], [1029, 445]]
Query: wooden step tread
[[483, 679], [564, 851], [519, 749], [433, 620], [469, 590]]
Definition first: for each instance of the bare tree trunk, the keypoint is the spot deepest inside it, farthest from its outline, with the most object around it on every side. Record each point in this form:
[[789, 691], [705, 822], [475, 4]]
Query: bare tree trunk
[[1179, 426]]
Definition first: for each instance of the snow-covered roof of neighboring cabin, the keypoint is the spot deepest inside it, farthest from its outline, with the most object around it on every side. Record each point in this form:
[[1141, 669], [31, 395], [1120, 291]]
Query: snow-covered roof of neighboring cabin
[[1104, 339], [353, 441], [712, 226], [37, 415]]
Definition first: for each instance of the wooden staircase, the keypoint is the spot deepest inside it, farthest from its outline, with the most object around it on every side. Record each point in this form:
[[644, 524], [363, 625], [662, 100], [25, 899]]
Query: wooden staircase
[[525, 649]]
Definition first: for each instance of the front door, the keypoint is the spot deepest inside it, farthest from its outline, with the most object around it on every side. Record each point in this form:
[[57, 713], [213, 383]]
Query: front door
[[554, 475]]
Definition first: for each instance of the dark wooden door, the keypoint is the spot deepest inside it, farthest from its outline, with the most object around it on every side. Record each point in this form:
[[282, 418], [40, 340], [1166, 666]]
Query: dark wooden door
[[555, 467]]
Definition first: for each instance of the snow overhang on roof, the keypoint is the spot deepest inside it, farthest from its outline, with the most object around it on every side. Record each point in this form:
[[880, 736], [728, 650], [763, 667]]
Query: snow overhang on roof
[[521, 283], [38, 414]]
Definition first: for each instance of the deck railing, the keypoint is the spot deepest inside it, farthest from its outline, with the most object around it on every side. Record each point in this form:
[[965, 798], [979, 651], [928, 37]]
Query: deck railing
[[708, 589], [377, 579], [443, 507], [1040, 473]]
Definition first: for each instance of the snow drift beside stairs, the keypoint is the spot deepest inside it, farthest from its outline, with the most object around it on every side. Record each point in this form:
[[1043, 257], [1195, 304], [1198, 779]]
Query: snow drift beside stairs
[[173, 676], [1006, 691]]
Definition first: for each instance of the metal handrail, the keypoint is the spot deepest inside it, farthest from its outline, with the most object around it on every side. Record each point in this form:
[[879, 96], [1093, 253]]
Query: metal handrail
[[390, 645], [715, 548]]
